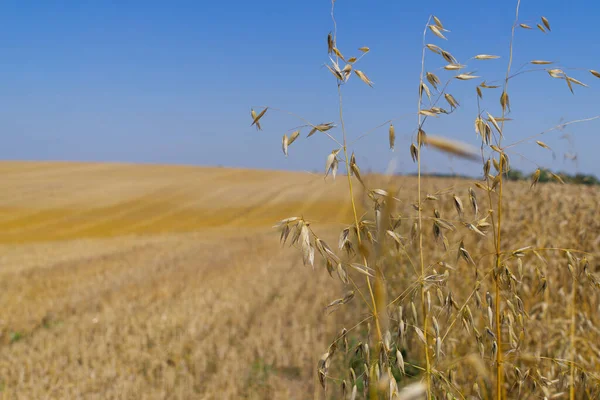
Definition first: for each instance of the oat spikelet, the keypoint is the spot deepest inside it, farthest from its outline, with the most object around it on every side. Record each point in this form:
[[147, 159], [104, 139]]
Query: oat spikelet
[[525, 26], [505, 101], [433, 79], [293, 137], [330, 43], [436, 31], [451, 100], [458, 205], [331, 163], [414, 152], [466, 77], [256, 118], [595, 73], [363, 77], [535, 177], [392, 136], [438, 23], [364, 49], [542, 144], [541, 28], [546, 23], [485, 57], [453, 147], [434, 48], [284, 144], [541, 62]]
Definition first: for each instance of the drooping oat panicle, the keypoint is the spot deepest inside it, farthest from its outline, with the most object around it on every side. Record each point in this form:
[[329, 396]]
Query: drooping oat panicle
[[392, 136]]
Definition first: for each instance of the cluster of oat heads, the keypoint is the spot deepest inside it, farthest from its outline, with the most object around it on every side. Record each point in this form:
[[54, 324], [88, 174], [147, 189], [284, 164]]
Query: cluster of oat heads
[[441, 286]]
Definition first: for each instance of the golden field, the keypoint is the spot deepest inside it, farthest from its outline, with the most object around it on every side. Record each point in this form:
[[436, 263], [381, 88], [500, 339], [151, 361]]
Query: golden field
[[148, 281]]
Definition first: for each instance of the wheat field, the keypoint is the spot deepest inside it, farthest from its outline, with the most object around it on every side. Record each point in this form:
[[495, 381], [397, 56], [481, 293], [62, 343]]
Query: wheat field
[[151, 281]]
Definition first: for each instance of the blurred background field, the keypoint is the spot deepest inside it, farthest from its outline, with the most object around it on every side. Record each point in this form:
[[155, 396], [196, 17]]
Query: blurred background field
[[148, 281]]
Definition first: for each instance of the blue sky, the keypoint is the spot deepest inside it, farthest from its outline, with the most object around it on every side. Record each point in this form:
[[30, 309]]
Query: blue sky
[[173, 82]]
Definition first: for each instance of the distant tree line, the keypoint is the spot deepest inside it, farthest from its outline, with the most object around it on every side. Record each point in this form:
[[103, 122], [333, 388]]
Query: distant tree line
[[545, 176]]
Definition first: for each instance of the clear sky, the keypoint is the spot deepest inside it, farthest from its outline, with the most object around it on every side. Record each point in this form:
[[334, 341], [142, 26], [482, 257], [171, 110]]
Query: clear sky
[[173, 82]]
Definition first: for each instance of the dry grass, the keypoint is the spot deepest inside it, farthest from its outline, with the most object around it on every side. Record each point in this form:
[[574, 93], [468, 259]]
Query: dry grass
[[174, 298]]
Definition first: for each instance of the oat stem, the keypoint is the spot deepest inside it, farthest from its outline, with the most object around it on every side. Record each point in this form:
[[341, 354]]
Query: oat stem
[[350, 187], [421, 258], [572, 337], [501, 160]]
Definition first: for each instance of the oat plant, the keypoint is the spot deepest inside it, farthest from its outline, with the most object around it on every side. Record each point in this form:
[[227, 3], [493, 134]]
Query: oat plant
[[458, 303]]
